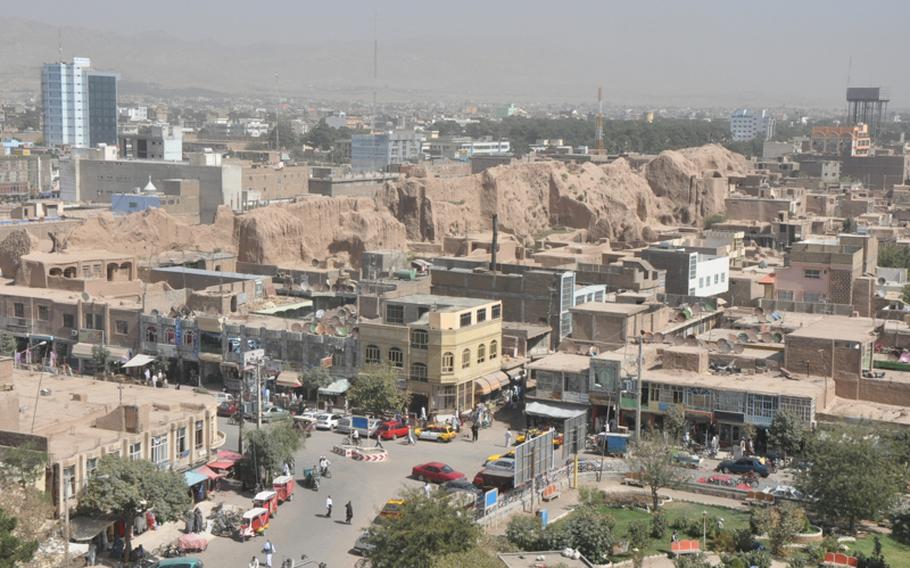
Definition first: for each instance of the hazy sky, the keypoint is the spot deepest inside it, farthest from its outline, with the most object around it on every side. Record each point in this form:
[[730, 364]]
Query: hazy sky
[[793, 51]]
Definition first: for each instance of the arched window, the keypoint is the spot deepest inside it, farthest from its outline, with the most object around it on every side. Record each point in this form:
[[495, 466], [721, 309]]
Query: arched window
[[419, 339], [151, 335], [481, 353], [465, 358], [448, 362], [371, 355], [396, 357], [419, 372], [494, 349]]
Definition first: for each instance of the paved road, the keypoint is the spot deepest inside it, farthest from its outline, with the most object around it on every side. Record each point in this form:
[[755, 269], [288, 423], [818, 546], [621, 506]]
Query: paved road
[[300, 528]]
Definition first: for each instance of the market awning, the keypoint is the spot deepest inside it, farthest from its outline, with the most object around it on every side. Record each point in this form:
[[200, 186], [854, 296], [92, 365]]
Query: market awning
[[86, 528], [192, 478], [288, 379], [229, 455], [118, 353], [548, 410], [82, 350], [140, 360], [208, 472], [482, 386], [221, 464], [340, 386]]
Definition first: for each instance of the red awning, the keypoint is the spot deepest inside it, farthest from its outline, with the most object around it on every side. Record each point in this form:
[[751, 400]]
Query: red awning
[[207, 471], [229, 455], [221, 464], [768, 279]]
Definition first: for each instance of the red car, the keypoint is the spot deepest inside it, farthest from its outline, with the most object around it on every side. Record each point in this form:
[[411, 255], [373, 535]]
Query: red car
[[436, 472], [391, 429], [227, 408]]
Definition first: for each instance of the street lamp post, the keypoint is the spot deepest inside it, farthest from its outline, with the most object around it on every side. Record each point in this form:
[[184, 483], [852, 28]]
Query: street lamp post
[[704, 530]]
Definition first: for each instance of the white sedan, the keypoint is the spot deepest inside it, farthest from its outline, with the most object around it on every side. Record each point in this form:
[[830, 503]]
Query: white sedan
[[327, 421]]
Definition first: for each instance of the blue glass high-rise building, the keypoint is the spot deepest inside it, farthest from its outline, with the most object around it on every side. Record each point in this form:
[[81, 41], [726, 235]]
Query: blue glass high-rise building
[[79, 106]]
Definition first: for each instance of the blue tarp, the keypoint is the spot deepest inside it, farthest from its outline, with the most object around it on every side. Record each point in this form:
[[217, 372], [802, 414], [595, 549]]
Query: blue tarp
[[192, 478]]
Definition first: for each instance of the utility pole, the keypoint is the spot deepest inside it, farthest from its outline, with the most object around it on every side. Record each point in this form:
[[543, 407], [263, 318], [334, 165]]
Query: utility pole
[[638, 389], [533, 475], [258, 396], [240, 414]]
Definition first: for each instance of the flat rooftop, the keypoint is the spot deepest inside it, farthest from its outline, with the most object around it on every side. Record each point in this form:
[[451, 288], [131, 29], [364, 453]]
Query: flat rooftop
[[68, 423], [74, 256], [840, 328], [64, 296], [441, 302], [213, 273], [536, 559], [565, 362], [770, 383], [608, 308], [849, 409]]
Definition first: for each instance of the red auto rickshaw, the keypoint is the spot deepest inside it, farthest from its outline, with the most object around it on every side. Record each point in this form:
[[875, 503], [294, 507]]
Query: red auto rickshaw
[[267, 499], [254, 522], [284, 487]]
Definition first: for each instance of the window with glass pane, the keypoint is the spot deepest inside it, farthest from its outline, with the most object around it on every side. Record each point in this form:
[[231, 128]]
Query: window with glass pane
[[200, 440], [181, 440], [496, 311], [159, 450], [494, 349], [448, 362], [136, 451], [396, 357], [371, 355], [69, 481], [481, 353], [419, 372], [394, 313], [419, 338], [481, 315], [465, 358], [464, 320]]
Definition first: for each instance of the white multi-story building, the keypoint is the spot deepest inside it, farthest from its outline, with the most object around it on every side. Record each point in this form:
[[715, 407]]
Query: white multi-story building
[[376, 152], [63, 102], [746, 124], [79, 106], [462, 148]]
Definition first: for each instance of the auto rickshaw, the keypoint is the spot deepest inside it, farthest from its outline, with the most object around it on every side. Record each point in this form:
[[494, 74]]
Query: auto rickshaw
[[267, 499], [253, 523], [284, 487]]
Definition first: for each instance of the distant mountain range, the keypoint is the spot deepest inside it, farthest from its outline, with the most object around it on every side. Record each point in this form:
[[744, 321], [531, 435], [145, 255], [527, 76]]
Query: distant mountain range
[[425, 68]]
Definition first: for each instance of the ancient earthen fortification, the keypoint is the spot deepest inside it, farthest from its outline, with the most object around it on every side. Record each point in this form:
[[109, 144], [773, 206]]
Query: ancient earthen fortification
[[612, 201]]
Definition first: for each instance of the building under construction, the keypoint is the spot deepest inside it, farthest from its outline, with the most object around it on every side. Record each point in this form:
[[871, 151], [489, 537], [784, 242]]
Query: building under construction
[[867, 105]]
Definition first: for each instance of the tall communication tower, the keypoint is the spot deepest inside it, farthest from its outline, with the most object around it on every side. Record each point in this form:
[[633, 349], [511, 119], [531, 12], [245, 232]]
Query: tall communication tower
[[599, 123], [375, 62]]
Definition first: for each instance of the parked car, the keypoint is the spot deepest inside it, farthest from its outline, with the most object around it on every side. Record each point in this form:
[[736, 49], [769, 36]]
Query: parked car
[[344, 425], [436, 472], [270, 414], [507, 464], [224, 397], [686, 459], [493, 457], [436, 433], [785, 492], [494, 478], [327, 421], [227, 408], [179, 563], [461, 484], [392, 509], [391, 429], [749, 464], [361, 546]]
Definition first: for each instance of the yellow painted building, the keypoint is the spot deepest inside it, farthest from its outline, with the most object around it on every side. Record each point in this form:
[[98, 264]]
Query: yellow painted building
[[447, 348]]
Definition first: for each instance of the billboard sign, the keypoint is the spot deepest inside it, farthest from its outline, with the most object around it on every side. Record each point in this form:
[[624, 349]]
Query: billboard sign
[[490, 498], [574, 431], [534, 457]]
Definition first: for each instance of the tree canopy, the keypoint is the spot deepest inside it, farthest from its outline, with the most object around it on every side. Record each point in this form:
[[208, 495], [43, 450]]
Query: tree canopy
[[428, 528], [315, 378], [787, 433], [653, 458], [853, 474], [375, 391], [14, 550], [266, 451]]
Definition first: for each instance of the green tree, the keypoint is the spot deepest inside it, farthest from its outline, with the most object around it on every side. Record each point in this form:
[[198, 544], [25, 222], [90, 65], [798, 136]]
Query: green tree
[[123, 488], [428, 528], [675, 423], [781, 523], [750, 559], [638, 534], [714, 219], [893, 255], [265, 452], [653, 458], [696, 561], [313, 379], [524, 531], [375, 391], [905, 294], [874, 560], [900, 526], [14, 550], [101, 356], [787, 433], [7, 344], [591, 533], [21, 466], [475, 557], [853, 475]]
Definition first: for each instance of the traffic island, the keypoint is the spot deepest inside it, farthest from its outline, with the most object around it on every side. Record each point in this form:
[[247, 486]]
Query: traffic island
[[370, 454]]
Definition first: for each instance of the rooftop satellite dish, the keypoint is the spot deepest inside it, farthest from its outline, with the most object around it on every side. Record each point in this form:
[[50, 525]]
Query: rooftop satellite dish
[[711, 345], [723, 346], [778, 337], [758, 311], [742, 337], [738, 348], [320, 314], [86, 297], [296, 327]]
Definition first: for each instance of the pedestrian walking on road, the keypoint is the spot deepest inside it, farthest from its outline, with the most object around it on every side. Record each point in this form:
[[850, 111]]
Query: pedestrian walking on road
[[378, 441], [348, 512], [427, 488], [355, 437], [508, 438], [328, 507], [475, 430], [254, 563], [269, 550], [411, 439]]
